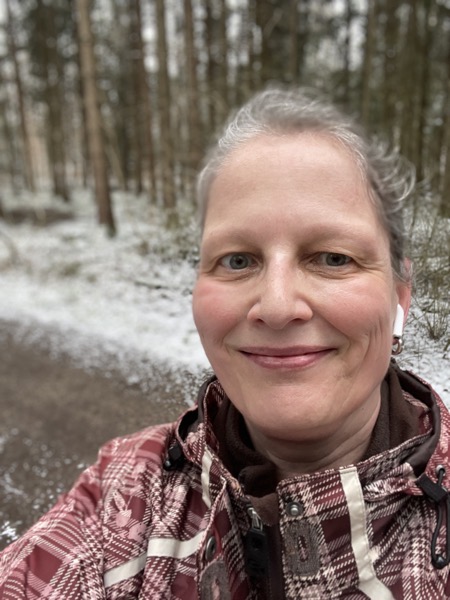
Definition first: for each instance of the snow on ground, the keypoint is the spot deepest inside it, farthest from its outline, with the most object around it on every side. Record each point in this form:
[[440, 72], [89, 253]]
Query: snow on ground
[[128, 297], [91, 296]]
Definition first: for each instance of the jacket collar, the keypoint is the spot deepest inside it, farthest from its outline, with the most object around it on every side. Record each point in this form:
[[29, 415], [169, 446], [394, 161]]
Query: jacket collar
[[202, 428]]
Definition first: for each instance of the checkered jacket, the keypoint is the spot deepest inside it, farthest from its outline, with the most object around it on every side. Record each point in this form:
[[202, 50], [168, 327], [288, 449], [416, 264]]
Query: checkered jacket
[[159, 517]]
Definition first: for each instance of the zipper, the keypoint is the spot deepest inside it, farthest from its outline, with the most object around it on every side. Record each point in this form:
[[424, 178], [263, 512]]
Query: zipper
[[256, 547], [263, 558]]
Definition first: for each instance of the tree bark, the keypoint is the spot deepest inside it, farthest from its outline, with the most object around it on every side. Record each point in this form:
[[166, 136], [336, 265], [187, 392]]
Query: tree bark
[[136, 117], [293, 72], [27, 154], [7, 133], [347, 50], [223, 62], [444, 206], [53, 76], [411, 73], [422, 91], [216, 15], [369, 51], [263, 16], [390, 70], [93, 117], [195, 141], [143, 94], [165, 124]]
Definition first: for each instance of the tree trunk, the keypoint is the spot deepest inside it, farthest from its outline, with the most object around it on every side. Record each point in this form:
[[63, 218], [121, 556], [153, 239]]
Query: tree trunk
[[93, 117], [293, 71], [82, 109], [136, 117], [144, 103], [369, 51], [216, 15], [119, 131], [422, 90], [253, 54], [195, 140], [27, 155], [7, 133], [210, 67], [53, 76], [222, 86], [390, 70], [346, 75], [408, 86], [165, 125], [263, 17], [246, 79], [444, 206]]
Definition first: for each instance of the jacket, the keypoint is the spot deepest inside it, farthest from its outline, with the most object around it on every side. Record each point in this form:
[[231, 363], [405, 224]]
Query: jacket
[[159, 516]]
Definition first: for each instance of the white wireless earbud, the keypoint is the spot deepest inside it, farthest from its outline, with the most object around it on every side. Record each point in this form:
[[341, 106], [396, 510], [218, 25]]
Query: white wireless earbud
[[398, 323]]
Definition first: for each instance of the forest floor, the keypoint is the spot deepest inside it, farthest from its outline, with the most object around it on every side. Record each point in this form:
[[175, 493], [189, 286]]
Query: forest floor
[[56, 415]]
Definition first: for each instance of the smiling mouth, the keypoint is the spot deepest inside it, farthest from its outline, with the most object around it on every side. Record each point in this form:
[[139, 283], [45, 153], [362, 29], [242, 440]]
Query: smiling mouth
[[286, 358]]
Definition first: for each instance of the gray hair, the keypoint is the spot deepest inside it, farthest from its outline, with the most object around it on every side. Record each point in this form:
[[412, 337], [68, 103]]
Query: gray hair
[[389, 176]]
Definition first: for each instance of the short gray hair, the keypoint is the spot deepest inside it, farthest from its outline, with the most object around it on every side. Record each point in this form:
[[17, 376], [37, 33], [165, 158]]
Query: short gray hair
[[389, 176]]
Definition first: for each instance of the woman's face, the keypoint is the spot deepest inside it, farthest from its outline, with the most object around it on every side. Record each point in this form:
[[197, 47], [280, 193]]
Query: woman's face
[[295, 298]]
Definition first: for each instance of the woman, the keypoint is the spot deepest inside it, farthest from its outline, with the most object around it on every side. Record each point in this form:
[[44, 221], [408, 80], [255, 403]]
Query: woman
[[312, 466]]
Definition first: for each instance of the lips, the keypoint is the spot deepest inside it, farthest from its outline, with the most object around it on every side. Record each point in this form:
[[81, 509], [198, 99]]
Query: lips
[[293, 357]]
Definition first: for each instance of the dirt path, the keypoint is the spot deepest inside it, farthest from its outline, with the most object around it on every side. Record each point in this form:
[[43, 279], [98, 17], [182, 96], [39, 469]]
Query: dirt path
[[54, 417]]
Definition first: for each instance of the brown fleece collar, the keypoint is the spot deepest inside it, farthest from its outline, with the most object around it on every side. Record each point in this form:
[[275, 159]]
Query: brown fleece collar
[[397, 422]]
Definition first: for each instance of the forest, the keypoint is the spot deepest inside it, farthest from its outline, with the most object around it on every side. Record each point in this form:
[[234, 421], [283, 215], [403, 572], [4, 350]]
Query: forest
[[107, 108], [127, 94]]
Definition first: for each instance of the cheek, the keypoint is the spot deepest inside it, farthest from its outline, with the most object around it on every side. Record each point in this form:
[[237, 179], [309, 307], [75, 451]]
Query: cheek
[[215, 312], [365, 314]]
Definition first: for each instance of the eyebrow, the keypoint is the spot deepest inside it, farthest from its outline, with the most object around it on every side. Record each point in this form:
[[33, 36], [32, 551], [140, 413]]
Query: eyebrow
[[329, 231]]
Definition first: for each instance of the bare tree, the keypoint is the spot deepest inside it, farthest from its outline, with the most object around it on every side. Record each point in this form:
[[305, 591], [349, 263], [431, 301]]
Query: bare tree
[[223, 50], [26, 145], [43, 42], [165, 122], [7, 134], [210, 64], [410, 73], [216, 17], [143, 97], [293, 41], [93, 117], [369, 51], [423, 85], [193, 98], [264, 21], [390, 68], [444, 207], [347, 52], [244, 54]]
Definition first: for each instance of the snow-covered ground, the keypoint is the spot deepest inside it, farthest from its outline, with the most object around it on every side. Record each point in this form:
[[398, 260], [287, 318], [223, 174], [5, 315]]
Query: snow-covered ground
[[128, 297]]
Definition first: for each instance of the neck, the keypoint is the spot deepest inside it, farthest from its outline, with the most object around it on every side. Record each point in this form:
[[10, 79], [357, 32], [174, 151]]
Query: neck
[[345, 446]]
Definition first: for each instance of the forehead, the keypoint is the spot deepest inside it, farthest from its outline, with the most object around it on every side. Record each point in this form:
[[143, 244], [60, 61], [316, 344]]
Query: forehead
[[307, 166], [292, 150]]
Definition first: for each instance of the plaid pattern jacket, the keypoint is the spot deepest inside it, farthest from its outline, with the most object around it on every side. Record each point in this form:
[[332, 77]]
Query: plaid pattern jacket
[[159, 517]]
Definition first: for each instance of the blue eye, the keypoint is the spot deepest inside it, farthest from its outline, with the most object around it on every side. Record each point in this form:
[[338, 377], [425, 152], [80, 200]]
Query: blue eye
[[333, 259], [236, 262]]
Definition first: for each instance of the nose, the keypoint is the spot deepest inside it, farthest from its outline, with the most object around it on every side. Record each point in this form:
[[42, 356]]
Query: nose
[[281, 297]]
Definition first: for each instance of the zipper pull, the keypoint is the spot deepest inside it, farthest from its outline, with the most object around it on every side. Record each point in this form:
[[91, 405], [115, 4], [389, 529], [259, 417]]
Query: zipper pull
[[256, 547]]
